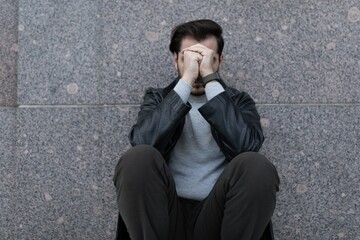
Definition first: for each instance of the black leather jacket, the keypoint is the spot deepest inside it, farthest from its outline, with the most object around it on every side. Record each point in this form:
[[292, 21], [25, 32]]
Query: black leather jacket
[[232, 115]]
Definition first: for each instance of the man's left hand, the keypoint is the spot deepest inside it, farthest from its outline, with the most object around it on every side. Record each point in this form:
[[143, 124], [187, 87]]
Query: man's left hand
[[207, 62]]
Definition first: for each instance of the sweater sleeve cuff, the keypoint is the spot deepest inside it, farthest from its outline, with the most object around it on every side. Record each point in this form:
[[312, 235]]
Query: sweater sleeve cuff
[[212, 89], [183, 90]]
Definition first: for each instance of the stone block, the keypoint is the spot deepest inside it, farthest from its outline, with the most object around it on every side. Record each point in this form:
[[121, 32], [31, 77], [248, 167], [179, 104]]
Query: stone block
[[8, 51], [66, 158], [59, 185], [109, 51], [58, 57], [316, 151], [7, 173]]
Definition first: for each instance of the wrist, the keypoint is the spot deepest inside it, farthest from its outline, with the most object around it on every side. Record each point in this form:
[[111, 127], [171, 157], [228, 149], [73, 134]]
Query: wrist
[[211, 81], [207, 73], [187, 80], [211, 77]]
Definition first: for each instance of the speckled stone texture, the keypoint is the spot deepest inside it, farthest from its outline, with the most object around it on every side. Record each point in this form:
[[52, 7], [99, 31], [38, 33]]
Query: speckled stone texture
[[316, 151], [8, 51], [89, 63], [111, 51], [65, 164], [58, 57], [7, 173]]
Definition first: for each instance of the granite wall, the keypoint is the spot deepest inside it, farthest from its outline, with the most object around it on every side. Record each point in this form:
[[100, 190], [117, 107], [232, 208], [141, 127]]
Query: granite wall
[[72, 76]]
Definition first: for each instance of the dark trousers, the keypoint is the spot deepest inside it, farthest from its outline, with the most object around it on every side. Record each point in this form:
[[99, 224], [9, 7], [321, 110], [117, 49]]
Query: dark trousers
[[239, 206]]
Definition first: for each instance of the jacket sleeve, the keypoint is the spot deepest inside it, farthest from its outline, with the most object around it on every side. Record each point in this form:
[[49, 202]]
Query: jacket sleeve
[[158, 120], [235, 122]]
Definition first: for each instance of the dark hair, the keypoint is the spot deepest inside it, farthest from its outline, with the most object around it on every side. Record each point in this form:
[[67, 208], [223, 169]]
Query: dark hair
[[199, 30]]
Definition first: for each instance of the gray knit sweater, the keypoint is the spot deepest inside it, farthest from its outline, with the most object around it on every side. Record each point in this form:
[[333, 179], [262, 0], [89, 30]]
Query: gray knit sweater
[[196, 161]]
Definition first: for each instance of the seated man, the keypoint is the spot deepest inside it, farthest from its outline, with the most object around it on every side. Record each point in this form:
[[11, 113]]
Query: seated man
[[193, 171]]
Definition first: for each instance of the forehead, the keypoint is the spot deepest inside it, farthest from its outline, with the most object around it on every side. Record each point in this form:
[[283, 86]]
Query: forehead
[[209, 42]]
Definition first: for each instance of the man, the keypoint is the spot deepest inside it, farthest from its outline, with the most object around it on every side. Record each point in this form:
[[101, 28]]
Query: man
[[193, 171]]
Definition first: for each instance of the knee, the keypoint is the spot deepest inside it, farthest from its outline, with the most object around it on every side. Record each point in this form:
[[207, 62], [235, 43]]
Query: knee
[[256, 168], [137, 154], [137, 163]]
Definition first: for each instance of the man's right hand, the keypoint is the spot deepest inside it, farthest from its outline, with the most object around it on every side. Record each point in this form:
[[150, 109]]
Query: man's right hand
[[192, 62]]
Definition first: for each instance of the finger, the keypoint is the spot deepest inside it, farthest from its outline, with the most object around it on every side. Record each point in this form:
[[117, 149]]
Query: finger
[[194, 54], [191, 50], [198, 46], [199, 49], [195, 50]]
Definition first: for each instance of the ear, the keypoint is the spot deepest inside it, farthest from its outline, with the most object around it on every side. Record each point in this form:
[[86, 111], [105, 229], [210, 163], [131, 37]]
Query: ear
[[175, 60], [221, 59]]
